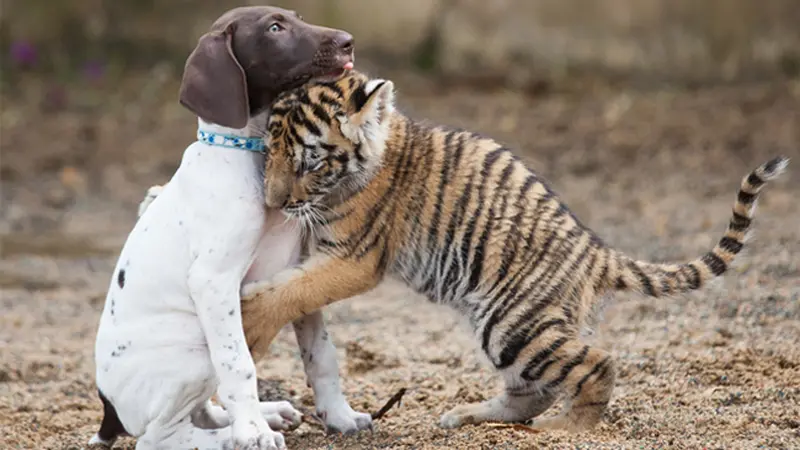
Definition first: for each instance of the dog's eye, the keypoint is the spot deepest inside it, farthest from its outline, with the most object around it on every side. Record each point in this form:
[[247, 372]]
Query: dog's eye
[[275, 27]]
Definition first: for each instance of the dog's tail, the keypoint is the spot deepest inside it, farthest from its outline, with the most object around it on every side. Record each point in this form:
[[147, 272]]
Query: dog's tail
[[110, 428]]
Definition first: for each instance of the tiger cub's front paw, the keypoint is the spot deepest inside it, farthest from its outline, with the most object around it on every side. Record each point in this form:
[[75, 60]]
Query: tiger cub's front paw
[[251, 290]]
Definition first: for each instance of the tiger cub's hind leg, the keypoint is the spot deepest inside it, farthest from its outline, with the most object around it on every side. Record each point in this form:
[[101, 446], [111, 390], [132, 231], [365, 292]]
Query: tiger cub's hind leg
[[510, 406], [585, 375]]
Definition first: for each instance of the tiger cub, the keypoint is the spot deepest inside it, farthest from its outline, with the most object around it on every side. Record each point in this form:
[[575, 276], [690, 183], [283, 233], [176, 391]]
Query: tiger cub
[[460, 219]]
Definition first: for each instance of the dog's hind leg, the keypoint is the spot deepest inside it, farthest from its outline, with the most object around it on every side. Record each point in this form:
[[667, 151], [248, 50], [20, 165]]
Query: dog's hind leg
[[322, 374], [209, 416], [280, 416], [184, 435], [110, 428]]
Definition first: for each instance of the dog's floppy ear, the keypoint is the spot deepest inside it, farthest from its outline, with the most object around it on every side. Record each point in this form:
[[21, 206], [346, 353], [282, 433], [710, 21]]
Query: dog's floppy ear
[[214, 85]]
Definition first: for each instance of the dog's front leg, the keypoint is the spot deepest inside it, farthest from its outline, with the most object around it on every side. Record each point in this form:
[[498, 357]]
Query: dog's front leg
[[214, 286], [322, 372]]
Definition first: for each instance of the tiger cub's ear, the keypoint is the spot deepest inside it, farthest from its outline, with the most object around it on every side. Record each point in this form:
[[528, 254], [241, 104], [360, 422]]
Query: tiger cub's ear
[[371, 104]]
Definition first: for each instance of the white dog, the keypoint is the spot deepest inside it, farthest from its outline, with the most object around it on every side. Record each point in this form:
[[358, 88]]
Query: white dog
[[170, 335]]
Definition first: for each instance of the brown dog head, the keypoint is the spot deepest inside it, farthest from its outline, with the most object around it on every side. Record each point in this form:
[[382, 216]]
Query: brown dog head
[[250, 55]]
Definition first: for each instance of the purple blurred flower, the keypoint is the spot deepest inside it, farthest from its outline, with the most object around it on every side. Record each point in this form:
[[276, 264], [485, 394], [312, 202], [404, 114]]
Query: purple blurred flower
[[93, 70], [23, 53]]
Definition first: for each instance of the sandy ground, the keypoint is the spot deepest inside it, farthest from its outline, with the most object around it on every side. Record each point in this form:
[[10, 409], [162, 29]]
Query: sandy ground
[[654, 173]]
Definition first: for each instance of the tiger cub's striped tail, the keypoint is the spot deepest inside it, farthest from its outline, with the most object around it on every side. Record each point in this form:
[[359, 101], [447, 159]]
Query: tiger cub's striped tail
[[657, 280]]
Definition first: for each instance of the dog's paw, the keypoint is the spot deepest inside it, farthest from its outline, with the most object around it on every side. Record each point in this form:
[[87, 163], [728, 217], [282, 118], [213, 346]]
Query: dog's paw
[[98, 443], [281, 415], [151, 195], [255, 434], [343, 419]]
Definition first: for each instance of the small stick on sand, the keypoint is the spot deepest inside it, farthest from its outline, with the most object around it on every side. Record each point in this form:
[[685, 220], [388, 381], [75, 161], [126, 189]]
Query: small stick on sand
[[392, 401]]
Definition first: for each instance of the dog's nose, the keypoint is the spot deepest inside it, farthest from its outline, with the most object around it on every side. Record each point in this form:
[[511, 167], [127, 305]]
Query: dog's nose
[[344, 41]]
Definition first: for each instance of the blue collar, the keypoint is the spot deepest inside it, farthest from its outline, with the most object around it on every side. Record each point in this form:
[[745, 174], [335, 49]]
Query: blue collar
[[253, 144]]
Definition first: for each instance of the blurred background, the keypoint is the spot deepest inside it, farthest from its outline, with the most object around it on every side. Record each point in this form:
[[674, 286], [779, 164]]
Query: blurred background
[[90, 75], [644, 114], [82, 79]]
